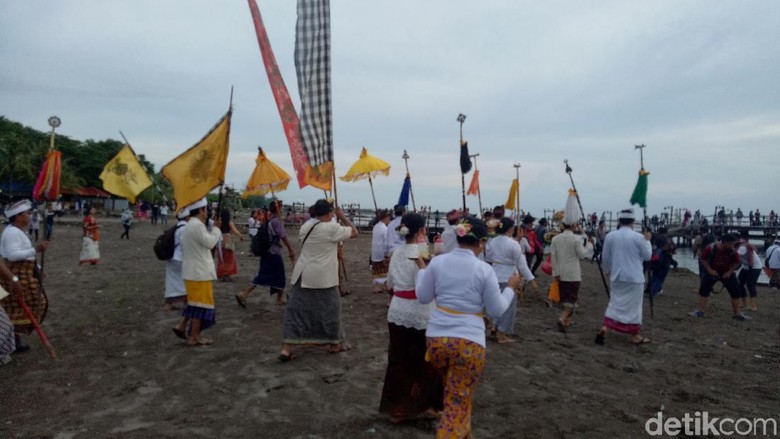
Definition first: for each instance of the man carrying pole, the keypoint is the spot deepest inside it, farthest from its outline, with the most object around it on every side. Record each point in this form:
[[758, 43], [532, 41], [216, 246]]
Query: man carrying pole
[[19, 253]]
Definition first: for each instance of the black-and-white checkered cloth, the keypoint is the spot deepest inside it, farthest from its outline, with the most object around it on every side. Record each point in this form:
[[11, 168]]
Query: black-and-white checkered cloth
[[312, 63]]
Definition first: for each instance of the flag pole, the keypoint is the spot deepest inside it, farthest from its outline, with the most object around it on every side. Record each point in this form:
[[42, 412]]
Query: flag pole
[[479, 191], [582, 214], [645, 226], [517, 195], [411, 192], [54, 122], [461, 119], [222, 180], [37, 326], [642, 168], [156, 186]]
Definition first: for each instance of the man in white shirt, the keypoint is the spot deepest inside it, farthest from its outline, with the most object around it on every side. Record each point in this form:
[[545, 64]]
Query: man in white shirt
[[772, 262], [394, 240], [624, 252], [379, 261], [448, 238], [566, 251], [19, 253], [198, 272]]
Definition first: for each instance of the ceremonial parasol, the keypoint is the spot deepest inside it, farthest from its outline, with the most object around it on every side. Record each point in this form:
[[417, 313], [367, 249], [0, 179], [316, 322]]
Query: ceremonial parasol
[[367, 166], [267, 177]]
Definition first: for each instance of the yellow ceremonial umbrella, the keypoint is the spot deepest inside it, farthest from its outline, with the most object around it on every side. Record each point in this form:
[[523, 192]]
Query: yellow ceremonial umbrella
[[367, 166], [267, 177]]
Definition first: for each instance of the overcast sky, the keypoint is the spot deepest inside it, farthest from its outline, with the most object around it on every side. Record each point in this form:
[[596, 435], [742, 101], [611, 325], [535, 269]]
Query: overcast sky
[[540, 82]]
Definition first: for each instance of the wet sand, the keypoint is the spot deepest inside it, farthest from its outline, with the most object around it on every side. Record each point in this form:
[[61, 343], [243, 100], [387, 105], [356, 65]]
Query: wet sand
[[121, 372]]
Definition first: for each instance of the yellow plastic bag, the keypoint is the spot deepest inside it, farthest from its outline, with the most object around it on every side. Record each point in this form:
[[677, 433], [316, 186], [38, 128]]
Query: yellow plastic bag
[[554, 295]]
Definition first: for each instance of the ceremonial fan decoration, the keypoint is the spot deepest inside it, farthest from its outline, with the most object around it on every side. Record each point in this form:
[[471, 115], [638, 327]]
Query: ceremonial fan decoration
[[571, 213], [367, 166], [267, 177], [47, 185]]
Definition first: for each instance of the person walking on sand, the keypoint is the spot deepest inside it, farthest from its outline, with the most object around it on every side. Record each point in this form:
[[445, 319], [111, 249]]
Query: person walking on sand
[[566, 251], [175, 293], [90, 249], [393, 239], [271, 271], [720, 262], [507, 258], [226, 250], [772, 263], [379, 259], [751, 270], [126, 219], [412, 387], [198, 272], [624, 252], [35, 221], [313, 313], [462, 286], [448, 238], [19, 255]]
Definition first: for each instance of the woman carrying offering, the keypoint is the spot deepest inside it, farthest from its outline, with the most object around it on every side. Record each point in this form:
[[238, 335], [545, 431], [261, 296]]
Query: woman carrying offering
[[462, 286]]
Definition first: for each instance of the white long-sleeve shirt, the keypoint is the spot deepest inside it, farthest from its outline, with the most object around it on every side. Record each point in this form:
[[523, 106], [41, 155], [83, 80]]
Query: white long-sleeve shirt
[[507, 258], [393, 240], [449, 241], [15, 245], [196, 244], [773, 256], [378, 242], [566, 250], [459, 282], [623, 254]]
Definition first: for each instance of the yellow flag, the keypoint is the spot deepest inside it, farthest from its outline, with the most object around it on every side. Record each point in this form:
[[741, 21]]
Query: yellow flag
[[512, 199], [124, 176], [320, 176], [197, 171]]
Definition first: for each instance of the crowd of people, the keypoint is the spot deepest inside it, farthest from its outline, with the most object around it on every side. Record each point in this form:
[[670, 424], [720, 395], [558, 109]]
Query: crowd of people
[[443, 306]]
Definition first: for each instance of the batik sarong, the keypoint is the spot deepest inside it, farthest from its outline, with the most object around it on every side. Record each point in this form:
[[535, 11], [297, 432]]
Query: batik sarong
[[33, 293], [460, 363]]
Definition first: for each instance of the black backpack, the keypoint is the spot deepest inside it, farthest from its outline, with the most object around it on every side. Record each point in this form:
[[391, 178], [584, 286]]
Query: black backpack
[[165, 245], [262, 241]]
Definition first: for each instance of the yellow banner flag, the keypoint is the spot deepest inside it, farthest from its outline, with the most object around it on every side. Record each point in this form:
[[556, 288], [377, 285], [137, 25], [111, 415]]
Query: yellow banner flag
[[124, 176], [320, 176], [512, 201], [197, 171]]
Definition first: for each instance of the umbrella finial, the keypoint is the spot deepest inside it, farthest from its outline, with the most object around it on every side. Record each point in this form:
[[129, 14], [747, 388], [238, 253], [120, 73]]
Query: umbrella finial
[[363, 153]]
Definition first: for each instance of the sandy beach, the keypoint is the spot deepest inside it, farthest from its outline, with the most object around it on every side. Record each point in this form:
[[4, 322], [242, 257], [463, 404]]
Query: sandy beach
[[121, 372]]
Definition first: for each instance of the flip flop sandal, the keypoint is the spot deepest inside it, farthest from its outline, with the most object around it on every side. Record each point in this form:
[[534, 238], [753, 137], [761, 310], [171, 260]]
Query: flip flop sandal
[[561, 326], [241, 301], [286, 357], [643, 340], [343, 347], [179, 333], [600, 338]]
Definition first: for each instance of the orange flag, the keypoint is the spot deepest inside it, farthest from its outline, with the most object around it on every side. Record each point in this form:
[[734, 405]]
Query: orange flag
[[474, 185]]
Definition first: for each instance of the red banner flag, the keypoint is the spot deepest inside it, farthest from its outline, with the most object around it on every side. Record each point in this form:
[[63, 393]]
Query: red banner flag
[[47, 186], [318, 177]]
